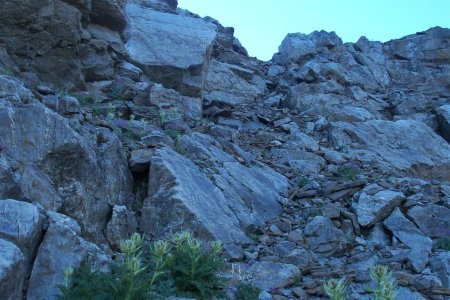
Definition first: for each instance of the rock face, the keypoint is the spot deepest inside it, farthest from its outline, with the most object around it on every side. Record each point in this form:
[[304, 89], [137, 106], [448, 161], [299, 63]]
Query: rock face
[[11, 270], [398, 145], [61, 248], [175, 203], [171, 49], [124, 116]]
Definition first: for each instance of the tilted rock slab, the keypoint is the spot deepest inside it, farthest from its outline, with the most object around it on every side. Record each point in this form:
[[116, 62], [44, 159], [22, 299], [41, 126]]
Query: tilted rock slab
[[404, 145], [374, 208], [61, 248], [170, 49], [181, 197], [11, 271]]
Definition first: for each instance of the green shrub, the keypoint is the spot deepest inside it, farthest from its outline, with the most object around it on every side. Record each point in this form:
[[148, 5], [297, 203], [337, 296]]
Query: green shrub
[[386, 285], [348, 173], [336, 289], [246, 291], [193, 267], [180, 265], [442, 243]]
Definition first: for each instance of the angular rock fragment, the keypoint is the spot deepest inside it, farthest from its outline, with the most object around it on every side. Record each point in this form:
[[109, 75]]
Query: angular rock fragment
[[374, 208]]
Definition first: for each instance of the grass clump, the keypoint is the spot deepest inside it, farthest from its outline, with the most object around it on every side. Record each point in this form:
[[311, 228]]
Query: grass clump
[[246, 291], [180, 265], [442, 243]]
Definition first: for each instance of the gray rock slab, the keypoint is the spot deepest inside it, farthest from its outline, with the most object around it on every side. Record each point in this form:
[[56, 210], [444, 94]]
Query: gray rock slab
[[227, 84], [122, 225], [268, 275], [171, 49], [21, 222], [181, 197], [374, 208], [11, 271], [432, 219], [323, 238], [61, 248], [398, 145], [407, 232]]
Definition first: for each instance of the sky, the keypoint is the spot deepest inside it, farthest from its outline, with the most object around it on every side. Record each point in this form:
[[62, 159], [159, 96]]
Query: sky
[[261, 25]]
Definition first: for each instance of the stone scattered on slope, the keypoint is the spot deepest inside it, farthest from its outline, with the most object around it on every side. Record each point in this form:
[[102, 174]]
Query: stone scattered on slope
[[407, 232], [432, 219], [269, 276], [324, 238], [371, 209]]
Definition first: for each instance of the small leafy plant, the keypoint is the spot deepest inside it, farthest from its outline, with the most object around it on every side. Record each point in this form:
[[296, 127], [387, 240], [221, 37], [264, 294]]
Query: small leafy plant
[[386, 285], [442, 243], [181, 265], [336, 289], [303, 181], [246, 291]]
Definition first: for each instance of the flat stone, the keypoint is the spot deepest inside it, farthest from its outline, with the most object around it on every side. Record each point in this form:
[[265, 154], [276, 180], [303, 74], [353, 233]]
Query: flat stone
[[374, 208], [432, 219], [407, 232], [268, 275], [140, 160], [395, 145], [323, 237]]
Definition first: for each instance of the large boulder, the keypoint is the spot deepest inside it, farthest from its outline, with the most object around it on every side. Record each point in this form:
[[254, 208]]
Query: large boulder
[[227, 84], [21, 223], [62, 168], [181, 197], [11, 271], [109, 13], [171, 49], [403, 145], [61, 248], [429, 46]]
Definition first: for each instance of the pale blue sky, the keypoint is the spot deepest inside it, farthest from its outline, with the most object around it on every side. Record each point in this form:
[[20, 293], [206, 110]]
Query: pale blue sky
[[261, 25]]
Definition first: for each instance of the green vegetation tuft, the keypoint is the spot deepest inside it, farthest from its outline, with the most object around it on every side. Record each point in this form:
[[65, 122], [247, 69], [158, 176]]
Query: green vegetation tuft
[[180, 265], [386, 285], [246, 291]]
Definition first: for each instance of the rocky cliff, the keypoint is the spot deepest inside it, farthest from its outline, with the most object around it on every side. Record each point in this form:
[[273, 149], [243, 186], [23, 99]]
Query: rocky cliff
[[123, 116]]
